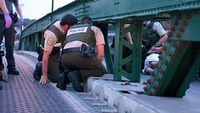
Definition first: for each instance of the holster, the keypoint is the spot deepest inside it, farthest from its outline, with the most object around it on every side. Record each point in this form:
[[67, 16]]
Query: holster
[[14, 17], [86, 51]]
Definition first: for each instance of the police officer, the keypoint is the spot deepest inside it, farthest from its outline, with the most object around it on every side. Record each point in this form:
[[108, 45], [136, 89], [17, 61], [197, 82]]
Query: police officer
[[54, 35], [155, 37], [7, 30], [78, 54]]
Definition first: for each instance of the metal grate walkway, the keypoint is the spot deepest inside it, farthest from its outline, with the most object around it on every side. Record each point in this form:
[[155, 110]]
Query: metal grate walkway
[[23, 95]]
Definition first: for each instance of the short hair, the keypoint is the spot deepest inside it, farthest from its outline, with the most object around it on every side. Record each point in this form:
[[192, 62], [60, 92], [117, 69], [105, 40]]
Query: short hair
[[86, 20], [69, 20]]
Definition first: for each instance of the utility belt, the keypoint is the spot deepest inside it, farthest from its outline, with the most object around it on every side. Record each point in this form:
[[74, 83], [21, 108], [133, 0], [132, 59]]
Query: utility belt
[[56, 50], [84, 50], [12, 15]]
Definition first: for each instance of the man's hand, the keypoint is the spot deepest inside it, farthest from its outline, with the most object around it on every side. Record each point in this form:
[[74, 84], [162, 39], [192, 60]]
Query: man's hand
[[43, 79], [8, 20], [154, 49]]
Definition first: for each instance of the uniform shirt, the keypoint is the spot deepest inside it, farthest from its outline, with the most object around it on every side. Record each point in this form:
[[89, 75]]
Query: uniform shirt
[[9, 5], [157, 27], [98, 37], [51, 39], [152, 57]]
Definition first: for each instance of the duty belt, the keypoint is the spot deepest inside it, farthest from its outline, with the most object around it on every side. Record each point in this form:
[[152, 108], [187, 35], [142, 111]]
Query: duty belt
[[68, 50]]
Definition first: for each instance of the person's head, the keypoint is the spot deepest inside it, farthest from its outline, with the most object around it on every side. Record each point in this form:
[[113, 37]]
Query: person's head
[[67, 21], [86, 20]]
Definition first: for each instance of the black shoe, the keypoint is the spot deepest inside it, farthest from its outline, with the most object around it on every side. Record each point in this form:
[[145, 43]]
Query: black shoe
[[61, 86], [38, 71], [13, 72], [75, 78]]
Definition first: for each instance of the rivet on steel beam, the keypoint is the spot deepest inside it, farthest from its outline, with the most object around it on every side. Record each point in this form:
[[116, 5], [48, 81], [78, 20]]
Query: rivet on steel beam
[[170, 53], [175, 23], [173, 29], [187, 16], [155, 86], [158, 78], [178, 16], [162, 71], [184, 22], [181, 29], [174, 44], [170, 33], [149, 81], [166, 62], [178, 35]]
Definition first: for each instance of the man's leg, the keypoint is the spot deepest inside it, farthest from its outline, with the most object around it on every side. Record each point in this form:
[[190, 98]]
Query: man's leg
[[38, 71], [2, 27], [75, 78], [53, 69], [9, 44], [64, 80]]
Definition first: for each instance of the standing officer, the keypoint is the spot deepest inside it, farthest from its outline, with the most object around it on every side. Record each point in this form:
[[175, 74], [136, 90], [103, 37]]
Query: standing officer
[[7, 30], [155, 36], [54, 35], [78, 54], [7, 23]]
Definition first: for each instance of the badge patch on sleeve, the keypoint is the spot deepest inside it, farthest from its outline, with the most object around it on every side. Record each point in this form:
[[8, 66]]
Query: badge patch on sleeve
[[51, 41]]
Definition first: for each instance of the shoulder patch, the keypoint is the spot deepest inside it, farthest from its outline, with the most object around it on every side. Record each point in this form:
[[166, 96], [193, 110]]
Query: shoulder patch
[[51, 41]]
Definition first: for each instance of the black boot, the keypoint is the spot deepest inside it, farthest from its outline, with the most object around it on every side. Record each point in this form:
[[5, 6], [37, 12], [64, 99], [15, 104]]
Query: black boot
[[63, 81], [38, 71], [13, 71], [75, 78], [0, 87]]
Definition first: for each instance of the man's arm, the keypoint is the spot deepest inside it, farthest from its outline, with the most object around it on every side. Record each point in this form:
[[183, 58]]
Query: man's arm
[[99, 42], [128, 35], [100, 51], [6, 13], [157, 48], [19, 11], [50, 40], [45, 60], [3, 6]]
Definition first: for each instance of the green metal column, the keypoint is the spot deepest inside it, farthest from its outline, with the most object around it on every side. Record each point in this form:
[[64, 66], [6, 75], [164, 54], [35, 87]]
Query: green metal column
[[118, 51], [127, 65]]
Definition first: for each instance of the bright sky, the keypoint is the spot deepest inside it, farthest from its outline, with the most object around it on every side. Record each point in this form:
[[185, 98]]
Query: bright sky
[[35, 9]]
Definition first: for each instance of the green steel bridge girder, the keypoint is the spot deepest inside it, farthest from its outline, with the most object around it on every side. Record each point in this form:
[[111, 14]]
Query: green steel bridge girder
[[105, 10], [132, 60]]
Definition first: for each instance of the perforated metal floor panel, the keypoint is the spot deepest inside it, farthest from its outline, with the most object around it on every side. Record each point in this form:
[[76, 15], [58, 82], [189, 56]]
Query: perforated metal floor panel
[[23, 95]]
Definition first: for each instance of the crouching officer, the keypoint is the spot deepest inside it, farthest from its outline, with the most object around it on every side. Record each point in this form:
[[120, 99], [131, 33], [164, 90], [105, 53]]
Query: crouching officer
[[53, 35], [78, 54]]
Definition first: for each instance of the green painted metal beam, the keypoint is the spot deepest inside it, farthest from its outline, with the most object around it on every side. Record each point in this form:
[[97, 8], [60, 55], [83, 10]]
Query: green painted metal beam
[[103, 10]]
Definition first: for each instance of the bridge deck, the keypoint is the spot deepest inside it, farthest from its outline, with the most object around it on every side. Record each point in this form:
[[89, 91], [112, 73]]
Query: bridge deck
[[22, 94]]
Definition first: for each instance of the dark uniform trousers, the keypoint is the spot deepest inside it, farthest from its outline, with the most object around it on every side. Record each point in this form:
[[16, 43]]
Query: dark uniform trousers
[[87, 66], [9, 34], [53, 68]]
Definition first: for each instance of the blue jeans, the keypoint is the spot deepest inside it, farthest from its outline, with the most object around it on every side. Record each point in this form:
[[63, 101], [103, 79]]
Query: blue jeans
[[9, 35]]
